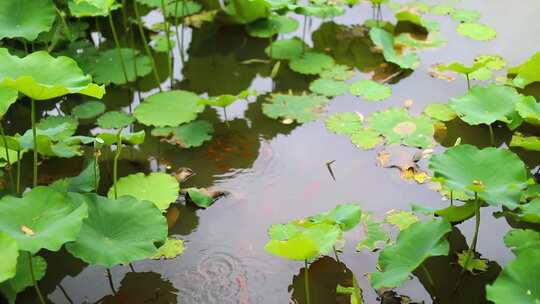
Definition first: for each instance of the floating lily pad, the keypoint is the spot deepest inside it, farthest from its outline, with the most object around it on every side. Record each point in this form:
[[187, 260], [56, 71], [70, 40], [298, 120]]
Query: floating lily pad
[[385, 41], [42, 219], [268, 27], [399, 127], [344, 123], [169, 109], [26, 18], [529, 110], [497, 175], [402, 219], [514, 284], [338, 72], [115, 120], [417, 19], [203, 197], [88, 110], [41, 76], [434, 40], [531, 143], [471, 263], [376, 236], [118, 231], [346, 216], [465, 15], [311, 63], [413, 246], [8, 255], [129, 138], [440, 111], [476, 31], [302, 108], [159, 188], [23, 278], [170, 250], [442, 9], [328, 87], [323, 10], [520, 240], [107, 67], [370, 90], [189, 135], [485, 105], [286, 49], [366, 139]]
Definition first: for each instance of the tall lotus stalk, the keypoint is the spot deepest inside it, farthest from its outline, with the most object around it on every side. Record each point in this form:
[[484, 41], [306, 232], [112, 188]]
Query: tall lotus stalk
[[169, 47], [34, 138], [115, 162], [117, 44], [10, 171], [145, 44], [306, 282], [180, 36]]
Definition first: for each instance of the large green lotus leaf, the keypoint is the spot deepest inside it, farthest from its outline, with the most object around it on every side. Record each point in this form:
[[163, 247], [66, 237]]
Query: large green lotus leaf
[[375, 235], [298, 249], [41, 76], [42, 219], [265, 28], [159, 43], [282, 232], [119, 231], [244, 12], [385, 41], [25, 18], [457, 213], [324, 235], [440, 111], [286, 49], [529, 110], [517, 283], [8, 96], [170, 250], [91, 8], [347, 216], [528, 72], [23, 278], [520, 240], [442, 9], [497, 175], [181, 8], [476, 31], [115, 120], [86, 181], [53, 141], [464, 15], [159, 188], [530, 212], [88, 110], [135, 138], [107, 67], [328, 87], [485, 105], [68, 125], [413, 246], [344, 123], [366, 139], [399, 127], [311, 63], [338, 72], [370, 90], [169, 109], [531, 143], [302, 108], [8, 256], [401, 219], [189, 135]]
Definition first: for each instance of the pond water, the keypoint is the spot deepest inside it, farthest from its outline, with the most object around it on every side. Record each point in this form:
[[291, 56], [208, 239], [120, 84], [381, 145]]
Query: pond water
[[275, 173]]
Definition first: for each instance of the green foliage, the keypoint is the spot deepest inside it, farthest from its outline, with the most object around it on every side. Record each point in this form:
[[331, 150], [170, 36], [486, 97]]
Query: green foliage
[[457, 213], [26, 18], [346, 216], [371, 90], [464, 15], [189, 135], [311, 63], [384, 40], [344, 123], [471, 263], [135, 138], [529, 110], [84, 182], [476, 31], [247, 11], [286, 49], [88, 110], [531, 143], [301, 108], [528, 72], [181, 107], [91, 8], [226, 100], [8, 96], [107, 67], [115, 120], [376, 236], [440, 111], [328, 87], [366, 139], [276, 24], [521, 240], [8, 255], [23, 278], [402, 219], [202, 197], [170, 250]]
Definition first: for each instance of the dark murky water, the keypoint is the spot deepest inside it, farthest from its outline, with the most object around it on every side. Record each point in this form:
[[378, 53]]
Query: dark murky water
[[276, 173]]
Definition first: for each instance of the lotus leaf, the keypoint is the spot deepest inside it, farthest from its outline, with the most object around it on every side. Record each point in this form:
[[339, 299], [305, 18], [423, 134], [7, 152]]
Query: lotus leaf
[[338, 72], [476, 31], [311, 63], [159, 188], [413, 246], [302, 108], [346, 216], [182, 8], [497, 175], [118, 231], [323, 11], [247, 11], [485, 105], [299, 248], [375, 236], [416, 18], [520, 240], [370, 90], [442, 9], [84, 182], [471, 264], [366, 139], [107, 67], [91, 8], [169, 109], [344, 123], [26, 18], [8, 256], [328, 87], [68, 125], [531, 143], [88, 110], [514, 284], [189, 135], [159, 43], [457, 213], [202, 197], [286, 49], [527, 72], [41, 76], [23, 278], [276, 24], [42, 219], [53, 141], [464, 15], [384, 40], [115, 120], [434, 40], [399, 127], [226, 100], [440, 111], [530, 212], [170, 250], [135, 138], [529, 110], [402, 219], [7, 97], [282, 232]]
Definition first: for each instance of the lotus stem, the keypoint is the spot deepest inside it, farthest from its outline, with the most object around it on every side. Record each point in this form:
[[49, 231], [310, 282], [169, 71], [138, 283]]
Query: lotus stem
[[18, 188], [64, 292], [169, 48], [36, 287], [63, 20], [115, 162], [491, 135], [472, 247], [131, 267], [451, 197], [117, 43], [306, 282], [336, 254], [10, 172], [468, 81], [304, 29], [111, 284], [180, 37], [145, 44], [25, 45], [34, 138]]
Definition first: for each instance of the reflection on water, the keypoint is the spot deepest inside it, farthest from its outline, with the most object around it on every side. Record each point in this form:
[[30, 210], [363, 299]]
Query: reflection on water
[[143, 287]]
